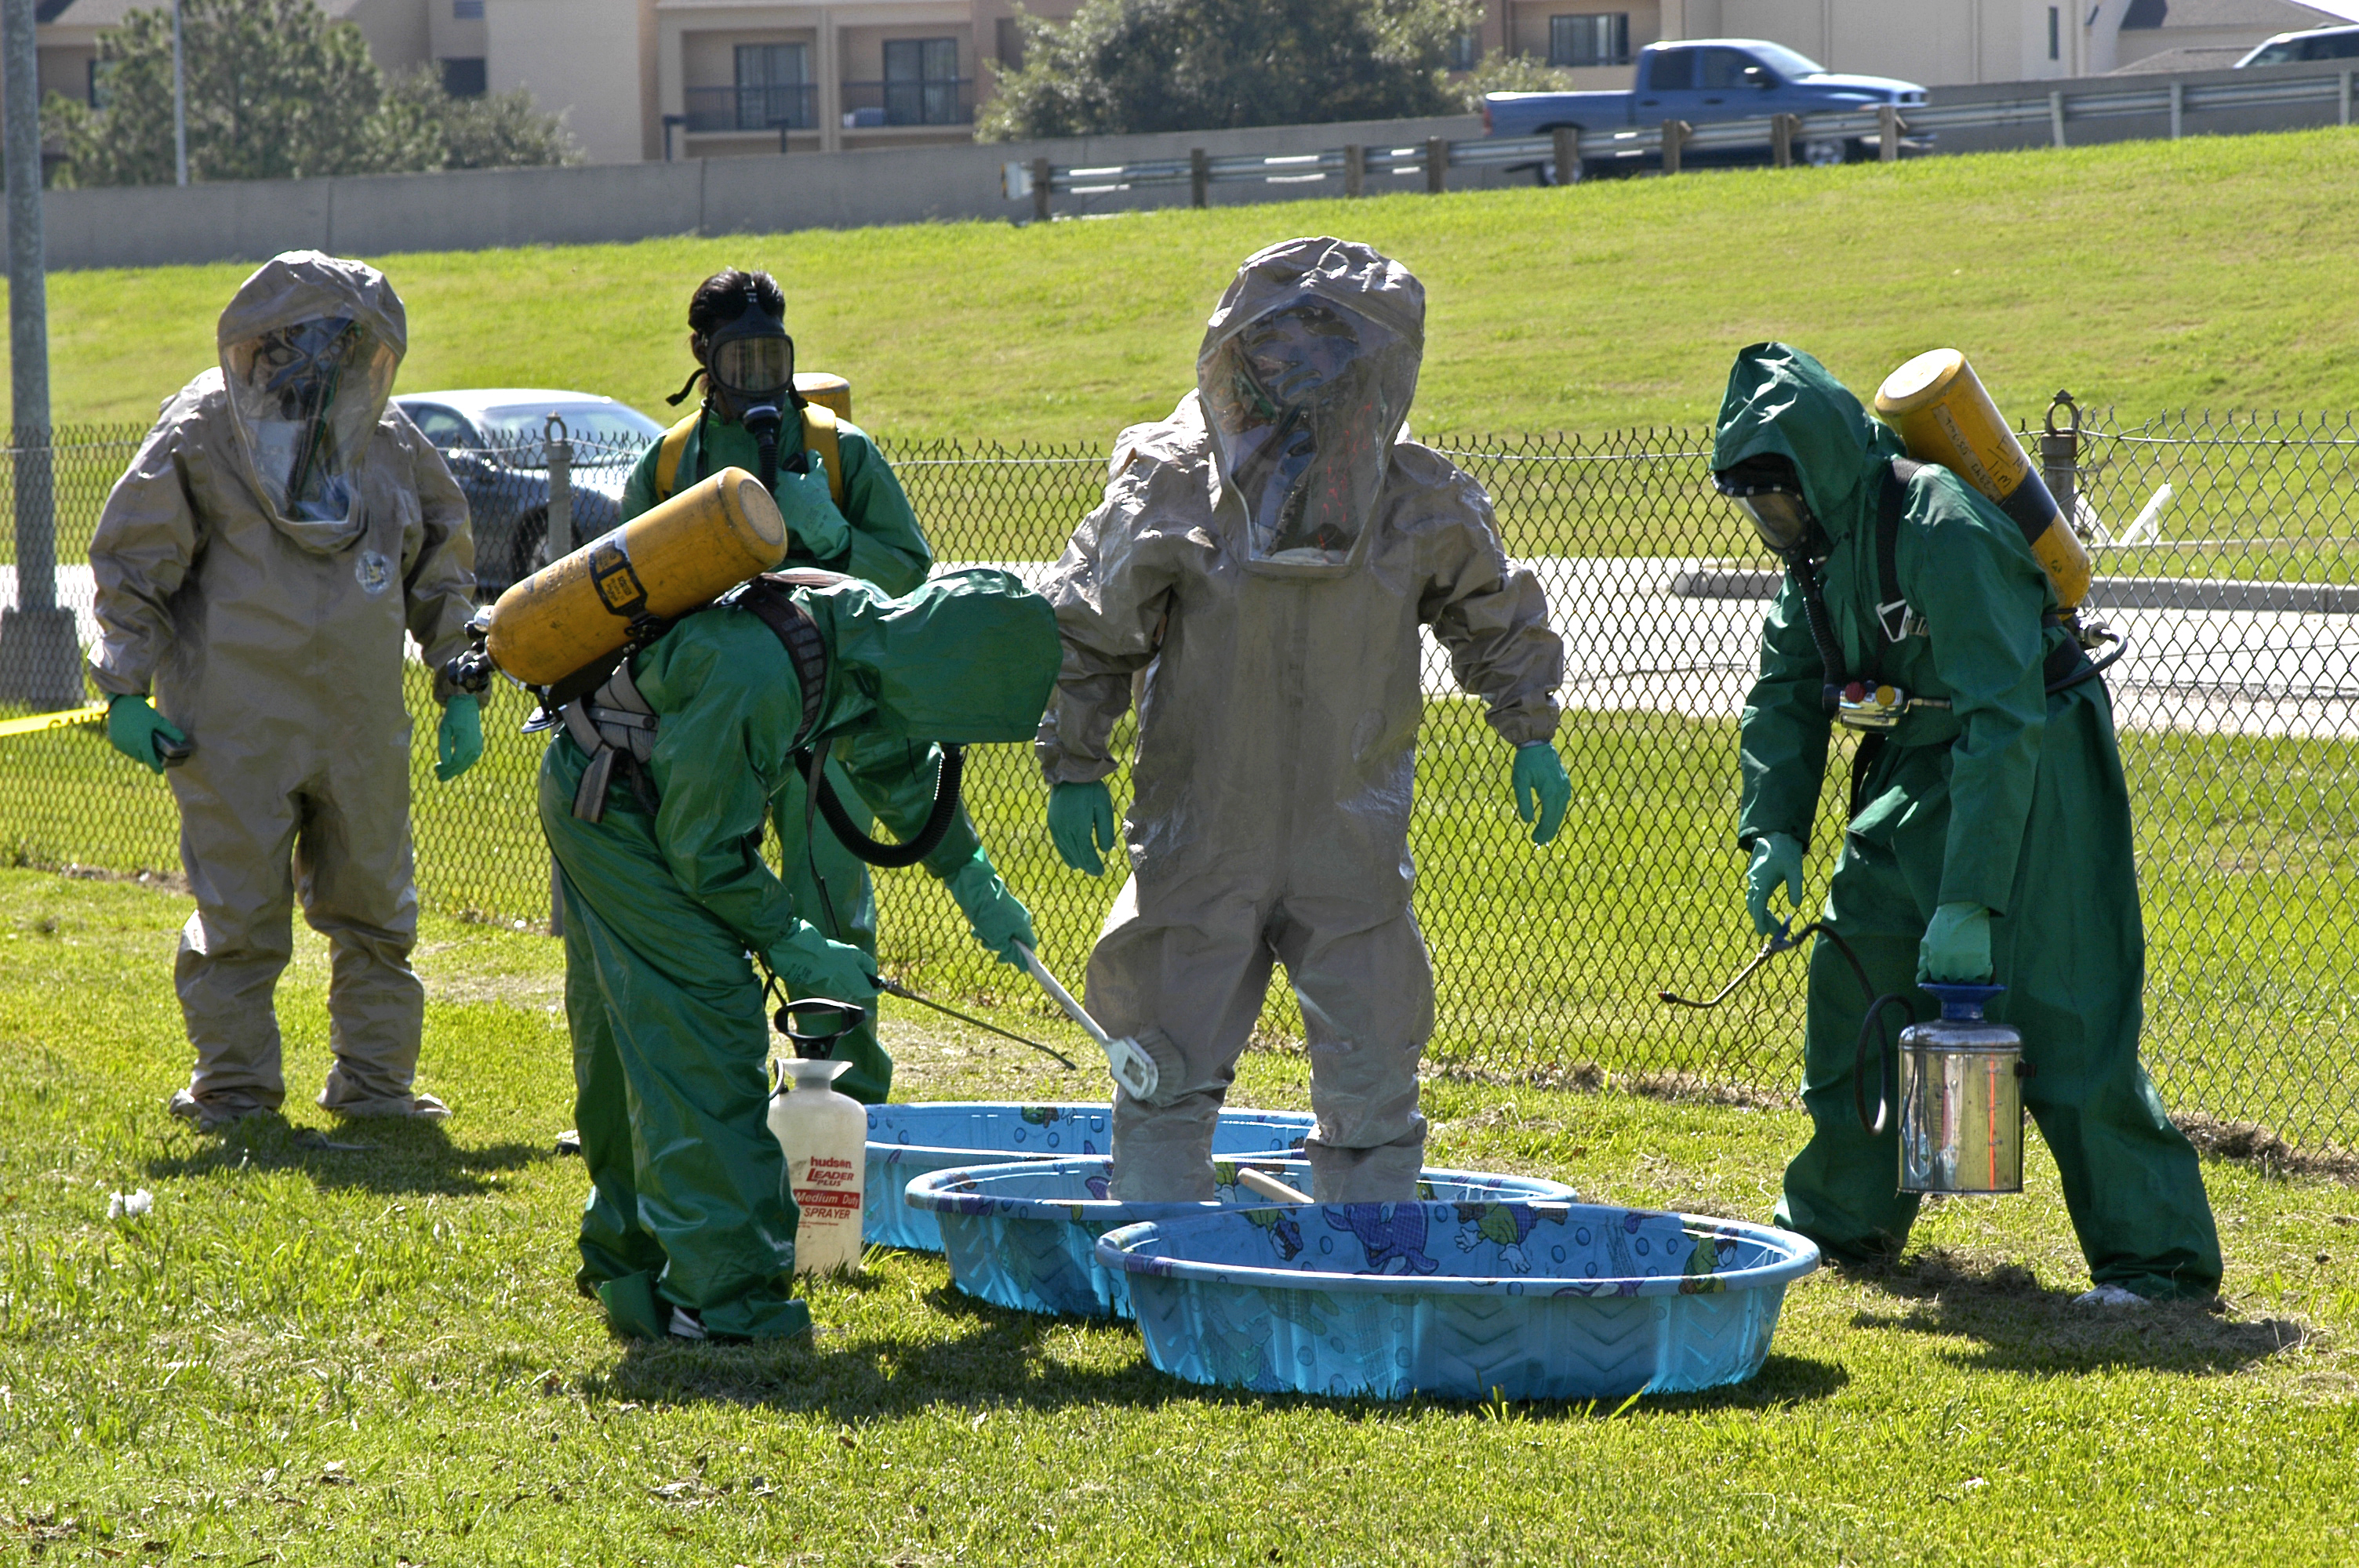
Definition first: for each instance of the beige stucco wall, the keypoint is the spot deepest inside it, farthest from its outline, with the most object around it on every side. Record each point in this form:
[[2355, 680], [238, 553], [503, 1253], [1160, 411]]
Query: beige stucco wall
[[591, 61], [396, 31]]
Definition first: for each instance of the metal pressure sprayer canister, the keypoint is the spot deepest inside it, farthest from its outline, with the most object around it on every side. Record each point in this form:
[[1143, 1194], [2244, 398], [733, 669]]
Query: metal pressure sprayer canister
[[1961, 1098]]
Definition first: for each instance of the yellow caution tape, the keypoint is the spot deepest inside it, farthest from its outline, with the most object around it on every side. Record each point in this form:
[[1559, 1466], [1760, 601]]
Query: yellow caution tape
[[64, 719]]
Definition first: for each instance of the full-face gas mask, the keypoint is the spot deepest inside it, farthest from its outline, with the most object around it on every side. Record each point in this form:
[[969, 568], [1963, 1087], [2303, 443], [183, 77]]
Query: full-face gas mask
[[1302, 405], [306, 397], [1770, 491]]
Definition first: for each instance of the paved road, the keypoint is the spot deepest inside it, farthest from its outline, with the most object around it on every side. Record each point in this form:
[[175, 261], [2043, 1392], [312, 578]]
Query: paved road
[[1632, 644]]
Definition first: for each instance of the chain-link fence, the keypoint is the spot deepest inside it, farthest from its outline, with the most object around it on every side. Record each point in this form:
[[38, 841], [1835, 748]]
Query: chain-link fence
[[2226, 549]]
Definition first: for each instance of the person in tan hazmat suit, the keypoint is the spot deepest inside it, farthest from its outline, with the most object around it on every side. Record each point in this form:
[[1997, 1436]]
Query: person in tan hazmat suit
[[281, 528], [1267, 555]]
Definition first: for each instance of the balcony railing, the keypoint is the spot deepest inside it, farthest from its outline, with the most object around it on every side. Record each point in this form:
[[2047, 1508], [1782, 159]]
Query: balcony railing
[[793, 107], [942, 101]]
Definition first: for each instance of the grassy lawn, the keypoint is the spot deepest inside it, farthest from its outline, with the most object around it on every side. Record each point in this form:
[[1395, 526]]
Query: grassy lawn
[[2145, 275], [315, 1354], [2248, 855]]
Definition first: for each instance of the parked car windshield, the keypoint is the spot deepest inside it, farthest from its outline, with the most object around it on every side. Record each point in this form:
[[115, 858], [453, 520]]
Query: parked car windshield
[[601, 432], [1785, 62]]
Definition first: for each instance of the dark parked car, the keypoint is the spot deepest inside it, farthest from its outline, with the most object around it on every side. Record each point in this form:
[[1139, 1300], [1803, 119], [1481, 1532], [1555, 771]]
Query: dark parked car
[[494, 441]]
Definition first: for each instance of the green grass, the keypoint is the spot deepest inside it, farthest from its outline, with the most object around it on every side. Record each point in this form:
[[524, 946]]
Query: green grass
[[1544, 958], [2207, 272], [314, 1356]]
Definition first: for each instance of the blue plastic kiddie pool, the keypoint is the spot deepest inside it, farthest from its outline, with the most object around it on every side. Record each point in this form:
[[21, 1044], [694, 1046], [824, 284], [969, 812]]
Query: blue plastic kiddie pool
[[1026, 1236], [1525, 1301], [907, 1141]]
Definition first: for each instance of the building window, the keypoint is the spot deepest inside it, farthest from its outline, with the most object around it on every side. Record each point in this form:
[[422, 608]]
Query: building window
[[465, 77], [466, 10], [2055, 33], [1465, 52], [921, 83], [774, 87], [1011, 45], [1601, 38], [99, 70]]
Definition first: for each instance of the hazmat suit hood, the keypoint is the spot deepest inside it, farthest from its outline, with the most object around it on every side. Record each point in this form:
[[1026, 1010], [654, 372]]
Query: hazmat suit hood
[[1782, 402], [309, 349], [1306, 371], [968, 658]]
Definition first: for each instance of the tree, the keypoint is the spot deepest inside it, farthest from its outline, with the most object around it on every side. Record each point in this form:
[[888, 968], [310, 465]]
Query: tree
[[1200, 65], [498, 130], [276, 90], [1504, 72]]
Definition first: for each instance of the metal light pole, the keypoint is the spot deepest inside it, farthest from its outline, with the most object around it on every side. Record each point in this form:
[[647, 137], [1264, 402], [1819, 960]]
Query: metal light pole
[[40, 659], [180, 106]]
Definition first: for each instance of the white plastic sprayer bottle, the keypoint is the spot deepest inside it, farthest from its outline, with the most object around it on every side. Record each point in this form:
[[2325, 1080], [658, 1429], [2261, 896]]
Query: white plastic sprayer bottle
[[825, 1138]]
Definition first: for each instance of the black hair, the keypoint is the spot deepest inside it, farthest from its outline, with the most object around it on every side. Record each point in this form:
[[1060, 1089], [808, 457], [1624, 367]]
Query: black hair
[[725, 297]]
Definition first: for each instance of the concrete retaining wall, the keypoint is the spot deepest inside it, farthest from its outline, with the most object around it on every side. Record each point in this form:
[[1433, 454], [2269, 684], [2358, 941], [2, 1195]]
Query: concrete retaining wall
[[378, 215]]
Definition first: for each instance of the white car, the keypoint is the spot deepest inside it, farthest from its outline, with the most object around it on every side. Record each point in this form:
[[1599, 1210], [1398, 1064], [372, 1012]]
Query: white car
[[2300, 49]]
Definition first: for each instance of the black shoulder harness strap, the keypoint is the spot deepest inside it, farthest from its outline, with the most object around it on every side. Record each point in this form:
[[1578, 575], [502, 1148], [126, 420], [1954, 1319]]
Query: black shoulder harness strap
[[769, 596]]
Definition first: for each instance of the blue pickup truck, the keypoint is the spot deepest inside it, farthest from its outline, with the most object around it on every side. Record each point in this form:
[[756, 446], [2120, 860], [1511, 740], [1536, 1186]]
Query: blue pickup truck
[[1701, 81]]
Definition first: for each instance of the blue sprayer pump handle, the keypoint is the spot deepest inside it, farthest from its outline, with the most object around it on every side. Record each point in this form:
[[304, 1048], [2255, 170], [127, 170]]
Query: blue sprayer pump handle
[[1961, 1003]]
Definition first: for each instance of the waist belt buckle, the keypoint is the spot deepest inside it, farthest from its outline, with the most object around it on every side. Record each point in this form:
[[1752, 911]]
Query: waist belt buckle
[[1874, 708]]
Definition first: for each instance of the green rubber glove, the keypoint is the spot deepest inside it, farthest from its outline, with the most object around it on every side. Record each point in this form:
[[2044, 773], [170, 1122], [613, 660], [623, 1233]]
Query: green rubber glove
[[1081, 823], [131, 728], [1956, 945], [459, 743], [811, 518], [1540, 785], [992, 913], [808, 965], [1777, 858]]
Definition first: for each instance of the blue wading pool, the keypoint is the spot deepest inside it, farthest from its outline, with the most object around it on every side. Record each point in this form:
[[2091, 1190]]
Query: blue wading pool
[[1528, 1300], [909, 1141], [1026, 1236]]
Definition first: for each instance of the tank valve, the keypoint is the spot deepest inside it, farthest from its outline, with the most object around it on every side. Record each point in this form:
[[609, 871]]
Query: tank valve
[[472, 671]]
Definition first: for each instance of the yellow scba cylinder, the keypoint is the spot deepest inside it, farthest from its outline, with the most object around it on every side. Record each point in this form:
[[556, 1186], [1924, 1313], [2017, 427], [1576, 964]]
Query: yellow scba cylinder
[[831, 393], [1938, 405], [665, 562]]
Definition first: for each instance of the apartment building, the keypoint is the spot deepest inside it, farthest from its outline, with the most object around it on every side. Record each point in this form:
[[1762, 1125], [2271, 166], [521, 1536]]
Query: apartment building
[[641, 80]]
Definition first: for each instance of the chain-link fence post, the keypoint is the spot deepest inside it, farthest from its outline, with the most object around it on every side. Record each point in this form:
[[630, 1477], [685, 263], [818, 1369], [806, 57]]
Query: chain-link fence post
[[560, 451]]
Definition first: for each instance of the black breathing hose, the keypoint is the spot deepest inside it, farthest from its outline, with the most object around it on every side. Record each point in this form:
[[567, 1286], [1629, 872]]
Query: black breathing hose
[[1814, 611], [762, 423], [877, 853]]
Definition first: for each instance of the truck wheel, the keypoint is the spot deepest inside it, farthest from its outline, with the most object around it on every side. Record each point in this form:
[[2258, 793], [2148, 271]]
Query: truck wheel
[[1825, 152]]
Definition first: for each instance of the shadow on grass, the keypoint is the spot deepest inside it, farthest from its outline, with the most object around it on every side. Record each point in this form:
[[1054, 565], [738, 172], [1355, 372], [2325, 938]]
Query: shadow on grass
[[2033, 1329], [391, 1156], [997, 1357]]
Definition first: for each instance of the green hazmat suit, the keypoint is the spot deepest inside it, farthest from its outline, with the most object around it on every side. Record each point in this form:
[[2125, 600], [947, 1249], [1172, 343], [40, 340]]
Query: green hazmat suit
[[688, 1206], [888, 549], [2012, 799]]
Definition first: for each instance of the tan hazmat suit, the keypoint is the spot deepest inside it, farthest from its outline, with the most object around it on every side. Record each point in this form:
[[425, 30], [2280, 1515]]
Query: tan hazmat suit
[[260, 572], [1271, 583]]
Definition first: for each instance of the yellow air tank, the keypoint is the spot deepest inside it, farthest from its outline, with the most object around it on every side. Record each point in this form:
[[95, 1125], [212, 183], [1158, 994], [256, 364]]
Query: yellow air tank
[[830, 391], [663, 563], [1938, 405]]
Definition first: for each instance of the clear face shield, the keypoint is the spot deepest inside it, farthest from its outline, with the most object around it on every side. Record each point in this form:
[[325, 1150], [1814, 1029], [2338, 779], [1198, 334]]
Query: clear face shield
[[306, 398], [1304, 402], [1772, 498], [750, 361]]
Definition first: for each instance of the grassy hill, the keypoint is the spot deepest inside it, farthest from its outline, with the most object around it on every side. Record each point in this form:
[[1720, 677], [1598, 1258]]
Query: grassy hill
[[2212, 271]]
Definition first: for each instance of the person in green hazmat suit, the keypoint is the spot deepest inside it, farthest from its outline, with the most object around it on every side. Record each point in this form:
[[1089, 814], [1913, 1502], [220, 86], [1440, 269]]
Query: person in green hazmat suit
[[689, 1227], [853, 518], [1987, 839]]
